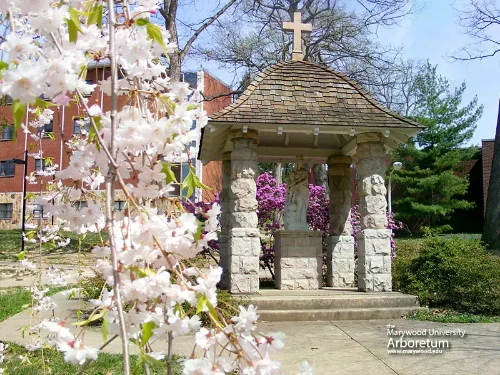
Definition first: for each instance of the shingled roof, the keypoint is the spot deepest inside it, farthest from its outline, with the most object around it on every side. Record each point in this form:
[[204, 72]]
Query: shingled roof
[[303, 93]]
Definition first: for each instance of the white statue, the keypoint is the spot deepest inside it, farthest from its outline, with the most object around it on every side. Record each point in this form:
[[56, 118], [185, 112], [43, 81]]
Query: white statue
[[297, 199]]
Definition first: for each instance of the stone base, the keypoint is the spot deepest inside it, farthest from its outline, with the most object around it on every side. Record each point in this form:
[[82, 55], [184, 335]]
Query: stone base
[[374, 260], [244, 251], [298, 260], [340, 261]]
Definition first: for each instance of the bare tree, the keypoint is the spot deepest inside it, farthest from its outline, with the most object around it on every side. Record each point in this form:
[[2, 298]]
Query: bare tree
[[251, 36], [168, 11], [481, 21]]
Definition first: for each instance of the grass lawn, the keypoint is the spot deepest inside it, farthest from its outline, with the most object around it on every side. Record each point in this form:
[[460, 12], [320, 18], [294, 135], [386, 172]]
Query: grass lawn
[[450, 316], [14, 300], [105, 364], [10, 244]]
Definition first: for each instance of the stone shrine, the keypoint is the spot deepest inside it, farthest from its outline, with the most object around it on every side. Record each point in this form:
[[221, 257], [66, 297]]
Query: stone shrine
[[296, 111]]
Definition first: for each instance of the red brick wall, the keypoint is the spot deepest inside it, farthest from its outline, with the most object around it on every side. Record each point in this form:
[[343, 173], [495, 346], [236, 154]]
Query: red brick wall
[[487, 156], [51, 148], [212, 172]]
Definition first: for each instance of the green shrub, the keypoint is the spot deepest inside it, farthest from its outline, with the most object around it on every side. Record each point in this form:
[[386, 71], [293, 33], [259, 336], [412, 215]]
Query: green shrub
[[91, 286], [454, 272], [227, 307]]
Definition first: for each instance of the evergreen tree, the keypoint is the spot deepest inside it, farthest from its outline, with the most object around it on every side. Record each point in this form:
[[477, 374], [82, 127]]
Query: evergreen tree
[[428, 187]]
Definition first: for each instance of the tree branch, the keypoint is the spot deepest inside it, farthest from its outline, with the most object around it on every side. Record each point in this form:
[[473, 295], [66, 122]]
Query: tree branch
[[211, 20]]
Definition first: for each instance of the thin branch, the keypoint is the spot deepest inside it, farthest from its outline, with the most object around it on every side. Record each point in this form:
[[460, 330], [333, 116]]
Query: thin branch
[[191, 40]]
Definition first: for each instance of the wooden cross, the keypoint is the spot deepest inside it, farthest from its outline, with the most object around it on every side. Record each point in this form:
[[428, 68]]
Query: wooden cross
[[297, 27]]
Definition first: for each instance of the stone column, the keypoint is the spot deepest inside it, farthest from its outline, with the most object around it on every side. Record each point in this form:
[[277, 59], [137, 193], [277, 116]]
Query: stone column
[[374, 248], [225, 220], [244, 236], [340, 251]]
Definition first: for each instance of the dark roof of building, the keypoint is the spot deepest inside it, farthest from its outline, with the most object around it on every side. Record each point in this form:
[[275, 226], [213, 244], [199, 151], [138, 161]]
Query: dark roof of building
[[300, 92]]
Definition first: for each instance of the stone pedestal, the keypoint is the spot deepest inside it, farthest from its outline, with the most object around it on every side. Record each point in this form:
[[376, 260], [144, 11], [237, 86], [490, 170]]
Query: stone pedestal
[[374, 260], [298, 260], [340, 261]]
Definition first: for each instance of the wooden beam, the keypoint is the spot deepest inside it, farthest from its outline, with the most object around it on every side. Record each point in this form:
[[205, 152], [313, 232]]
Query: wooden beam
[[287, 139], [350, 148], [399, 136], [316, 140], [390, 143], [297, 151]]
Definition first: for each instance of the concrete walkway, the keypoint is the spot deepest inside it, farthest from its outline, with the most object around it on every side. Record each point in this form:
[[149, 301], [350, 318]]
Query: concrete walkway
[[341, 347]]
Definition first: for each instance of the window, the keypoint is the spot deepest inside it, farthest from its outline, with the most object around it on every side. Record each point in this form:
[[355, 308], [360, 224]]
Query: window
[[5, 211], [39, 213], [88, 82], [356, 187], [47, 128], [120, 205], [40, 164], [180, 171], [80, 204], [8, 132], [357, 202], [356, 175], [7, 168], [80, 124]]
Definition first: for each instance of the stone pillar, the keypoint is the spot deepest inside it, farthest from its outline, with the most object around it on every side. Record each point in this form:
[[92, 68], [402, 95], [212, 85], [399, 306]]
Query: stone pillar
[[340, 250], [244, 235], [225, 220], [374, 247]]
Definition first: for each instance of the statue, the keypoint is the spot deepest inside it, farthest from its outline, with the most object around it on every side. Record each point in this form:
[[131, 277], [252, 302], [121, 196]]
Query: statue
[[297, 199]]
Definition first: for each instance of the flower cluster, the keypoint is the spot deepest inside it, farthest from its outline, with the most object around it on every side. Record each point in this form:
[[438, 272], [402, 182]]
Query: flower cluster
[[3, 347], [318, 215], [129, 150]]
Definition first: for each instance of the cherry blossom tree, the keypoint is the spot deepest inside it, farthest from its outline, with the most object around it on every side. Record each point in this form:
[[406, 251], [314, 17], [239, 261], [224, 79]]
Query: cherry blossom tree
[[129, 148]]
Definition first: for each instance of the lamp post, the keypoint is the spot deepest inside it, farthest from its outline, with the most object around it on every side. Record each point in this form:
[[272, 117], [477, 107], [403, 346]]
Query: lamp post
[[23, 216], [395, 167]]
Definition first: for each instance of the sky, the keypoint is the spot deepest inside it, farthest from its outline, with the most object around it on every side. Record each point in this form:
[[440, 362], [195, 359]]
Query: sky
[[433, 33]]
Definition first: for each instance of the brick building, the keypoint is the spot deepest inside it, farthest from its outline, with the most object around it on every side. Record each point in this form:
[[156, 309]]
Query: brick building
[[68, 121]]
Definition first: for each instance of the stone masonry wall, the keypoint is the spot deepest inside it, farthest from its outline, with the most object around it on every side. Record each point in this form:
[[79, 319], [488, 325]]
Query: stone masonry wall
[[224, 220], [374, 249], [340, 244], [298, 260], [244, 240]]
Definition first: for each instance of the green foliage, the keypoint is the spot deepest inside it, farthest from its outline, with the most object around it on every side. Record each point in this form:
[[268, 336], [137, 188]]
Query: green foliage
[[227, 307], [454, 272], [428, 188], [450, 316], [52, 362], [91, 286]]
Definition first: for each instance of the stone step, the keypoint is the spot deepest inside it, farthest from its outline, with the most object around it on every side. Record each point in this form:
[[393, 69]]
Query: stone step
[[336, 314], [359, 300]]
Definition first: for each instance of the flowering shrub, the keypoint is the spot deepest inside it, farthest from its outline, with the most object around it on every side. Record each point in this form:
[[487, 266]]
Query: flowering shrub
[[271, 200], [131, 148], [318, 215]]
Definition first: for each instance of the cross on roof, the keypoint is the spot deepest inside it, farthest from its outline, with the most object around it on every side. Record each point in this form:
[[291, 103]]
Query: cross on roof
[[297, 27]]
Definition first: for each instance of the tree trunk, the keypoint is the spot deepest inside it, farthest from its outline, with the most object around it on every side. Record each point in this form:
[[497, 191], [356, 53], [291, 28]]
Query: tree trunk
[[491, 231], [320, 175], [175, 67]]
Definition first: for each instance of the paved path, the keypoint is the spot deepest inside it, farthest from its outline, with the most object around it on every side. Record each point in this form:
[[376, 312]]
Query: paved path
[[343, 347]]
